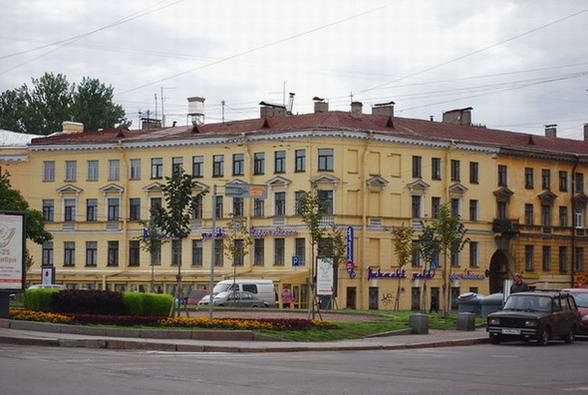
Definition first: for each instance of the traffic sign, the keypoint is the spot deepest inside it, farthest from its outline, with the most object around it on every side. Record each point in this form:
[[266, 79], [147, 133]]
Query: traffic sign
[[295, 261]]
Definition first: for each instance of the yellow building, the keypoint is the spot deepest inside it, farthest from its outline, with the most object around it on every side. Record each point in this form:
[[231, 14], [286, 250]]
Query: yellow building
[[376, 171]]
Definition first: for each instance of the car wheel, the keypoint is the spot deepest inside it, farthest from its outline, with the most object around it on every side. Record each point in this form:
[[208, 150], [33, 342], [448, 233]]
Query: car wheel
[[571, 337], [544, 339], [255, 306], [495, 339]]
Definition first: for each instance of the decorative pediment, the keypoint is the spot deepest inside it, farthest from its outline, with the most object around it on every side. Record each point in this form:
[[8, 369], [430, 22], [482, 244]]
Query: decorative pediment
[[198, 186], [153, 187], [69, 188], [278, 181], [457, 189], [236, 181], [547, 197], [377, 181], [418, 186], [580, 198], [325, 179], [111, 188], [503, 194]]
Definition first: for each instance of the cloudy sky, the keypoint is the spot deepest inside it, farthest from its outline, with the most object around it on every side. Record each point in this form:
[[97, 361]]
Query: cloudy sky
[[520, 64]]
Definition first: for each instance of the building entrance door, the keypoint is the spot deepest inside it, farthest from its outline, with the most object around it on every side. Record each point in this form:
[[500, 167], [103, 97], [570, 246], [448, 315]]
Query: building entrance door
[[373, 298], [434, 298], [498, 271], [350, 298]]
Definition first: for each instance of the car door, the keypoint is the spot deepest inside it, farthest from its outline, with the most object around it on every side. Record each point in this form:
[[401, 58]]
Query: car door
[[558, 319]]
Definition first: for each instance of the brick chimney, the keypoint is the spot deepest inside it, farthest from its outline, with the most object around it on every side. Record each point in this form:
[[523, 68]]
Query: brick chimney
[[320, 105], [386, 109], [270, 110], [356, 108], [459, 116], [586, 132], [551, 131], [72, 127]]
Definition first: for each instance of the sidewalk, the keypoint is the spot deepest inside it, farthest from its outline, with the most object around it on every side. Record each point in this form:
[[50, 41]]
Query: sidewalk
[[436, 338]]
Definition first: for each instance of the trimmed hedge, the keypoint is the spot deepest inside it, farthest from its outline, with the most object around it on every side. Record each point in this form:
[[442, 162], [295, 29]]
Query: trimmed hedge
[[72, 301], [147, 304], [40, 299], [88, 302]]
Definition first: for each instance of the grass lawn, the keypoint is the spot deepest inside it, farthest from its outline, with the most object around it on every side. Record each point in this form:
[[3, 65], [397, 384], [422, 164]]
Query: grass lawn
[[346, 330]]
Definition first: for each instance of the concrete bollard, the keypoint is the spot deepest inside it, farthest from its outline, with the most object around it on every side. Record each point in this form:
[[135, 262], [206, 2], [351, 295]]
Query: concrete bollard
[[419, 324], [466, 322]]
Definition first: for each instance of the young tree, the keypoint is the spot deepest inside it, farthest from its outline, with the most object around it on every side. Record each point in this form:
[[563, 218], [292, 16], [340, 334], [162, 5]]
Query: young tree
[[312, 211], [12, 200], [151, 241], [236, 243], [447, 235], [175, 216], [51, 99], [402, 239], [428, 248]]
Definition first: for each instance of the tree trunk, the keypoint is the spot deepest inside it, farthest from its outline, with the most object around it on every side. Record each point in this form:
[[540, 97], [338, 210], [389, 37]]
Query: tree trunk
[[445, 286]]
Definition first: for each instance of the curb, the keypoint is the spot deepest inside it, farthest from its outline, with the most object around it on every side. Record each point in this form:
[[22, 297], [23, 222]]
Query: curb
[[172, 347]]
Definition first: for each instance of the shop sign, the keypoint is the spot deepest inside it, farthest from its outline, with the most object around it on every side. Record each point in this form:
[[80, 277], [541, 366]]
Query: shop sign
[[466, 275], [218, 234], [375, 274], [12, 251], [424, 275], [324, 276], [47, 275], [277, 232], [350, 266]]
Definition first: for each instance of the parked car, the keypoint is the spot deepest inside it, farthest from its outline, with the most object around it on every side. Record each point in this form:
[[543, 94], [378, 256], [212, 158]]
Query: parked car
[[235, 299], [263, 289], [535, 316], [581, 297]]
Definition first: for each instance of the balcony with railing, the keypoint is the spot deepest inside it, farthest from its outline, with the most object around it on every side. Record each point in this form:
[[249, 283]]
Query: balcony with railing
[[505, 226]]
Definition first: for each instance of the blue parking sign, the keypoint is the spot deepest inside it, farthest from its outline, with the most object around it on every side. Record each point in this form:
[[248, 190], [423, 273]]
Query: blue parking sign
[[295, 261]]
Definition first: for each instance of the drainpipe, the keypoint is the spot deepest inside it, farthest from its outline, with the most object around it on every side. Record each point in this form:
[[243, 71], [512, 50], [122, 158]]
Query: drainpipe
[[364, 239], [573, 252]]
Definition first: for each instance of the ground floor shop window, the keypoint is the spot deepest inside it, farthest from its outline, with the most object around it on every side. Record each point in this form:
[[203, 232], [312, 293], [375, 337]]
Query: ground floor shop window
[[373, 298], [415, 298]]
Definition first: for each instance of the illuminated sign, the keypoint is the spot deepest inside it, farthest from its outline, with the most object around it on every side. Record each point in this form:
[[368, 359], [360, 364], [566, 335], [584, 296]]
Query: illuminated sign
[[375, 274], [277, 232], [424, 275], [466, 275]]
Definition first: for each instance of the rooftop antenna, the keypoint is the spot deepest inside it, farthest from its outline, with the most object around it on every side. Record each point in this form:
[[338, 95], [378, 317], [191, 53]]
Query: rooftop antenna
[[223, 111], [284, 94], [162, 100], [155, 96]]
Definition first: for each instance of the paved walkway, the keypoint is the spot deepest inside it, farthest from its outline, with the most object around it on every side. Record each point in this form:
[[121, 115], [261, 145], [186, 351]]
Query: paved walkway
[[437, 338]]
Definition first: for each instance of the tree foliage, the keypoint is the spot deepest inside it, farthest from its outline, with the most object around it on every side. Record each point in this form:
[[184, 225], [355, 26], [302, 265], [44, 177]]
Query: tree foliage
[[402, 240], [51, 99], [237, 240], [446, 234], [12, 200]]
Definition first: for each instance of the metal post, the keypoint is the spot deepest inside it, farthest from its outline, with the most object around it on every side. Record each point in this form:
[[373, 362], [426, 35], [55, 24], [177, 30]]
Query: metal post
[[213, 256]]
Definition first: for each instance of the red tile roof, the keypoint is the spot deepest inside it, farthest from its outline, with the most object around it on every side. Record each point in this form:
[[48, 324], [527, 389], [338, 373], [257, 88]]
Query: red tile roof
[[337, 120]]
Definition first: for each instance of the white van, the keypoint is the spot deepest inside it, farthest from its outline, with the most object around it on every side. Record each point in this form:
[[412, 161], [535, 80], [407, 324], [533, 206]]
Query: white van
[[263, 289]]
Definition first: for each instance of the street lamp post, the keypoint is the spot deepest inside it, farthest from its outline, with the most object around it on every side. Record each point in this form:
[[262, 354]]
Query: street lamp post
[[213, 254]]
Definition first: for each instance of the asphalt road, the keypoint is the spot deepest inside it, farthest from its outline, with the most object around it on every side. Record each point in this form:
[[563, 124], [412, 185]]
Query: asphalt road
[[503, 369]]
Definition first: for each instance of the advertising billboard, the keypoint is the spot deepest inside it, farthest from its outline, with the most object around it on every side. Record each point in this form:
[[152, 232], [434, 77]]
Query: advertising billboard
[[12, 251], [324, 276]]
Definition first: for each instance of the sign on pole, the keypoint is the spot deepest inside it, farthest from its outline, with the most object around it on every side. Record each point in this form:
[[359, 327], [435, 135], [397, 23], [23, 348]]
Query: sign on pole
[[324, 276], [12, 251], [252, 191], [295, 260]]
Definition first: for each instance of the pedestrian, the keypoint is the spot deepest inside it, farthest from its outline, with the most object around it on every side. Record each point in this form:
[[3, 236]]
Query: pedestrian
[[518, 285], [286, 298]]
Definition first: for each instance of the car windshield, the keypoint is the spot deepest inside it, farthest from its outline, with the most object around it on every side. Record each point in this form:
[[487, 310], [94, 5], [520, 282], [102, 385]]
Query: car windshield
[[222, 288], [528, 303], [581, 299]]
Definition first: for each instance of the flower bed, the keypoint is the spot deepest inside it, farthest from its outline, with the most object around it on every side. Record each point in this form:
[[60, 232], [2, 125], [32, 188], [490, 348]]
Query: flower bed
[[30, 315], [172, 322]]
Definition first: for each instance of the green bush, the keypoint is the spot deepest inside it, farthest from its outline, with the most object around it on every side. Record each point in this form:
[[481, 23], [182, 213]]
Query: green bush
[[40, 299], [147, 304]]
